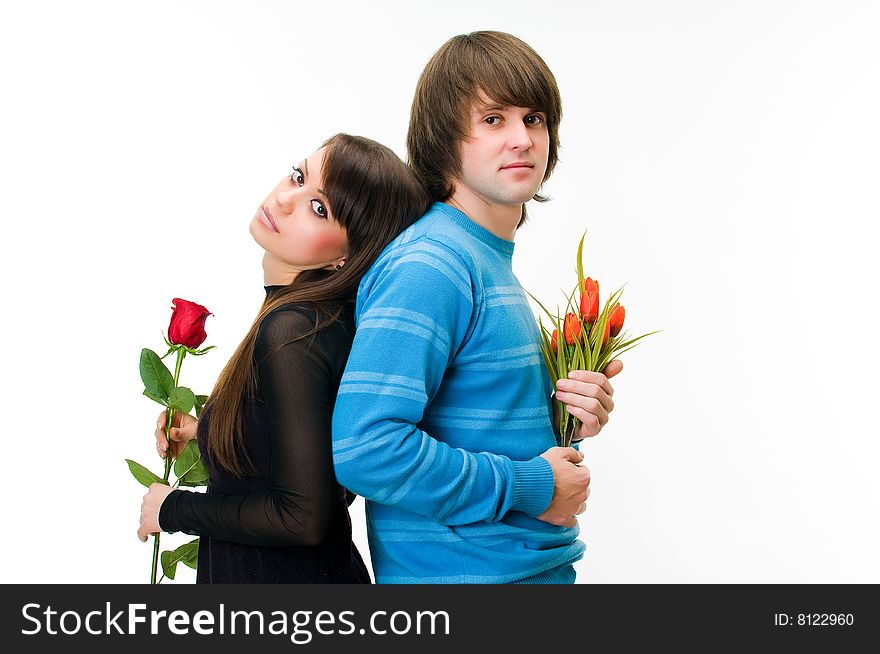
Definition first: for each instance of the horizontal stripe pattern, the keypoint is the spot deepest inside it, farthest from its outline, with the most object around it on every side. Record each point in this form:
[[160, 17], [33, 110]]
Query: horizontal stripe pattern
[[443, 411]]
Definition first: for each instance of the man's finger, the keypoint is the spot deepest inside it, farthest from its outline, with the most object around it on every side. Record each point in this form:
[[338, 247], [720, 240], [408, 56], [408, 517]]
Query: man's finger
[[613, 368], [591, 377], [575, 393]]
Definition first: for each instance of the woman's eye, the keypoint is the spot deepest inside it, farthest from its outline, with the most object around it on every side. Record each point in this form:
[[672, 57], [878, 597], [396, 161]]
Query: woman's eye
[[319, 209], [492, 120], [297, 177], [534, 119]]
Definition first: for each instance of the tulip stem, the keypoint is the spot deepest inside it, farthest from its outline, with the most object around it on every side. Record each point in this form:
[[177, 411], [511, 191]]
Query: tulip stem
[[181, 353]]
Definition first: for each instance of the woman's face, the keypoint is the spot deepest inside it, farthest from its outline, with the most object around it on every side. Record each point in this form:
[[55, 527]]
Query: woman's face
[[294, 224]]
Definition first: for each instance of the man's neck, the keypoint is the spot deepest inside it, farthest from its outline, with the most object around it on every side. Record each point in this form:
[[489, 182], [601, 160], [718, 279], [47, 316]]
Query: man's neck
[[500, 219]]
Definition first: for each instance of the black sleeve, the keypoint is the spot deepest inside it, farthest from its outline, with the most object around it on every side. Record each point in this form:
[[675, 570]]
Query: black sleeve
[[297, 382]]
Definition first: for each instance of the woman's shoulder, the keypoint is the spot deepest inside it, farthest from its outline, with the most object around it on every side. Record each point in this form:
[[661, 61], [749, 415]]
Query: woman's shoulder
[[300, 318]]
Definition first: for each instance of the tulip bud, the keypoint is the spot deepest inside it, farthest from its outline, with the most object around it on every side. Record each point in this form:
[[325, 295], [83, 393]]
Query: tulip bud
[[615, 318], [554, 341], [572, 328], [187, 325], [590, 301]]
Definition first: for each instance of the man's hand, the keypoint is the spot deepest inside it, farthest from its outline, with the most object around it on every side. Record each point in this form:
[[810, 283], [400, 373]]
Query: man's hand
[[571, 484], [588, 397], [150, 509], [183, 430]]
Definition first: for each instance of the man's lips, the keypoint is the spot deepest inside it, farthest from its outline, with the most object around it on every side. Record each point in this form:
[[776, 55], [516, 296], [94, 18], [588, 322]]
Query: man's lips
[[517, 164], [268, 220]]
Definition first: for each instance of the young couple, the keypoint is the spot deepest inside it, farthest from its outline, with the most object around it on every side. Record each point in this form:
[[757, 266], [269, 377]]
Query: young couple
[[437, 409]]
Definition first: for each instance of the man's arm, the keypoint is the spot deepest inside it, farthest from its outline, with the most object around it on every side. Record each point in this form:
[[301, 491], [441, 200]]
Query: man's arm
[[414, 311]]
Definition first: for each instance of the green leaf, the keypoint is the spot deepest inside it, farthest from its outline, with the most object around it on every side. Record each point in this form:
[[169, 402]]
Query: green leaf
[[181, 399], [543, 308], [201, 400], [155, 398], [169, 565], [188, 554], [620, 347], [572, 307], [198, 353], [580, 263], [547, 353], [156, 377], [143, 475], [190, 467]]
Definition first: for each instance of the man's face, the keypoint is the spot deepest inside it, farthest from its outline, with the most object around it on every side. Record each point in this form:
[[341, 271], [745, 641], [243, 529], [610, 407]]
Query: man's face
[[504, 158]]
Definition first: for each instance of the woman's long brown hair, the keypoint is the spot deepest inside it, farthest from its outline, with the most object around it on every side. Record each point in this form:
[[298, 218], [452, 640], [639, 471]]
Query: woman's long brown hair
[[374, 196]]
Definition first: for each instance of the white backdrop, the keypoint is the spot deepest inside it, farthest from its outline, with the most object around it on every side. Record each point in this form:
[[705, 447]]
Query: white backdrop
[[724, 156]]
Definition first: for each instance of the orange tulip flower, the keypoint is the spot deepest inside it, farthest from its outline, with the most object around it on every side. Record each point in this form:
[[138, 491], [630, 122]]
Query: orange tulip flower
[[590, 301], [572, 328]]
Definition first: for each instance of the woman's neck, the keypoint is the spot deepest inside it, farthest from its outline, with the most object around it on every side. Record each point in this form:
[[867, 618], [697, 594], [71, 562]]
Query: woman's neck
[[275, 273]]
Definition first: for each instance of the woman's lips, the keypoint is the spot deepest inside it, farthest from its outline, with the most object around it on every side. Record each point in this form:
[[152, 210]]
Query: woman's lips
[[517, 165], [267, 220]]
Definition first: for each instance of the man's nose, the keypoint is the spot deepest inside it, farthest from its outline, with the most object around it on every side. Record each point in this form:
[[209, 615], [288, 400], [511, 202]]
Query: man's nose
[[519, 137]]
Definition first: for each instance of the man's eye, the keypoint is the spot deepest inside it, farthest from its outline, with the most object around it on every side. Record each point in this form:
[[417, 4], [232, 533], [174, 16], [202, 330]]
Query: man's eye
[[297, 177], [319, 209], [492, 120], [534, 119]]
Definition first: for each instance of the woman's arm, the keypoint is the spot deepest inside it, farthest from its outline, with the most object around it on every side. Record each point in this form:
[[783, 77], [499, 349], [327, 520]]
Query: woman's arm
[[296, 381]]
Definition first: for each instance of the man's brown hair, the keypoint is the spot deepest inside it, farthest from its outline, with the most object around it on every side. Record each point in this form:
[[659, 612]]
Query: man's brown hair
[[506, 70]]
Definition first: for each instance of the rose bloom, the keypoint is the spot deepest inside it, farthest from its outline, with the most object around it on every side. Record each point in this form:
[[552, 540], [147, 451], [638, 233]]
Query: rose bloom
[[187, 325]]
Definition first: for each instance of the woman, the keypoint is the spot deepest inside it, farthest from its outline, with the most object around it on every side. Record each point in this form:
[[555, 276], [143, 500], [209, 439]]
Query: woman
[[274, 511]]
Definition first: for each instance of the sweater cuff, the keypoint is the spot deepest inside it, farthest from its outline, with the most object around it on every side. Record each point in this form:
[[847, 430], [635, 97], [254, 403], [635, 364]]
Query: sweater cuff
[[167, 512], [532, 486]]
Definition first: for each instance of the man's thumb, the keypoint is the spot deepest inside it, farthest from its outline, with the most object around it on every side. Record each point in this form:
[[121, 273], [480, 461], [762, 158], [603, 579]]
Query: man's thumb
[[613, 368], [573, 455]]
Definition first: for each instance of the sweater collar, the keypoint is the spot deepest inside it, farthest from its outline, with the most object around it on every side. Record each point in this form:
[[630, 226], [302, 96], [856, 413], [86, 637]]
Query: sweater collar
[[476, 230]]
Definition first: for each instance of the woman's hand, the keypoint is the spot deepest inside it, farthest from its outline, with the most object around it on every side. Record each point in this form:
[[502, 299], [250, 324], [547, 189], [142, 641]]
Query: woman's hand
[[183, 430], [150, 510]]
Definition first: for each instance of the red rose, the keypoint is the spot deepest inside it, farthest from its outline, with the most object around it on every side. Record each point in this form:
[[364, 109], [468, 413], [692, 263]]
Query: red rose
[[590, 301], [572, 328], [554, 340], [187, 325]]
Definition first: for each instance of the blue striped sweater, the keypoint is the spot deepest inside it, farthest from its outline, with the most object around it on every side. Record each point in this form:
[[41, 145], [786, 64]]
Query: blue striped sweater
[[443, 411]]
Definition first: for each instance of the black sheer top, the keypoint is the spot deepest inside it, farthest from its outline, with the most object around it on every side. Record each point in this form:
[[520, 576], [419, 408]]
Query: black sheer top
[[289, 522]]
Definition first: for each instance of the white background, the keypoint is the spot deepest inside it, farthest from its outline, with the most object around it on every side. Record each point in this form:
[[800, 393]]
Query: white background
[[724, 156]]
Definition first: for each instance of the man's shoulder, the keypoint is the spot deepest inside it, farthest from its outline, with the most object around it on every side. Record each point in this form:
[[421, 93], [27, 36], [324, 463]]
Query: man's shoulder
[[433, 235]]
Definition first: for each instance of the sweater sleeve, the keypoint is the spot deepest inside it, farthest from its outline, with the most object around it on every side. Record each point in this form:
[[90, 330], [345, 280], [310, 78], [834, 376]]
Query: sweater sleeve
[[297, 381], [414, 313]]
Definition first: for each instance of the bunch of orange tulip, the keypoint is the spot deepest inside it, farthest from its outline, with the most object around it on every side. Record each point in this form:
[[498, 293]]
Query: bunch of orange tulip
[[591, 337]]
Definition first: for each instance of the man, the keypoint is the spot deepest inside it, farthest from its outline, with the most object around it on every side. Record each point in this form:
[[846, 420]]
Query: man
[[444, 418]]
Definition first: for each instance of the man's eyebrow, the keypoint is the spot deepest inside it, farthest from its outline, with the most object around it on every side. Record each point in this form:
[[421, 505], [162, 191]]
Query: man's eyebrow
[[502, 107], [489, 107]]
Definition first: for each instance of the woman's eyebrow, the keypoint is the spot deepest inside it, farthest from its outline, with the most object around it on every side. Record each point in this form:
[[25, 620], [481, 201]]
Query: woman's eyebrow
[[306, 170]]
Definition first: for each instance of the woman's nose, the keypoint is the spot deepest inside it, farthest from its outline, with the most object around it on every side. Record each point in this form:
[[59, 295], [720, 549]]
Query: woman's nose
[[286, 199]]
